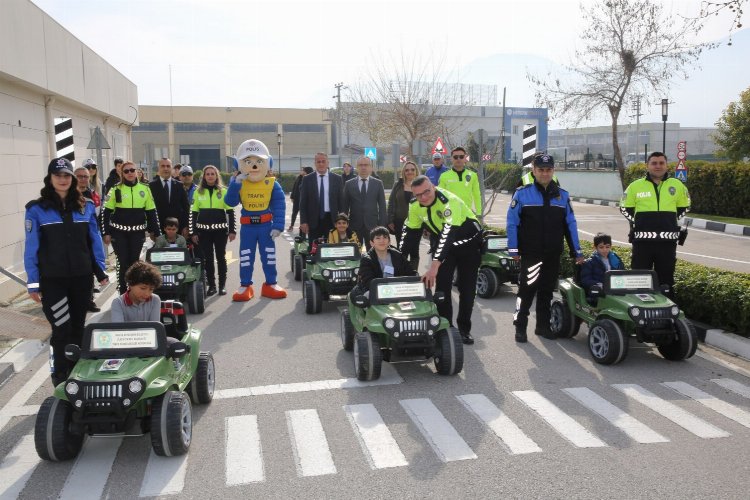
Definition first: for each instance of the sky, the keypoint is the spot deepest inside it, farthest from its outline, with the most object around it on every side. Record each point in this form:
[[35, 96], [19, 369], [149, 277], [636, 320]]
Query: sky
[[282, 53]]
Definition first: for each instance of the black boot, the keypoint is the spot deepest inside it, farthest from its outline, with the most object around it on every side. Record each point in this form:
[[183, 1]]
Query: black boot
[[222, 285], [211, 290], [520, 331], [542, 326]]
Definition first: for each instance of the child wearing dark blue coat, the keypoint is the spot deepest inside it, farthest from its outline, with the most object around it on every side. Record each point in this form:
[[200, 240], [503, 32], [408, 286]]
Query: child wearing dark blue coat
[[602, 260]]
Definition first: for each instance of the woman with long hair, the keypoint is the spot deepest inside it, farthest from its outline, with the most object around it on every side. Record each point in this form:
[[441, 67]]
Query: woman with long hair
[[63, 248], [398, 205], [211, 222]]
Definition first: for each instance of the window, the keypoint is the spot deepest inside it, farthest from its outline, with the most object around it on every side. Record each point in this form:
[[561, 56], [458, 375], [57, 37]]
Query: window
[[515, 129], [253, 128], [292, 127], [199, 127], [150, 127]]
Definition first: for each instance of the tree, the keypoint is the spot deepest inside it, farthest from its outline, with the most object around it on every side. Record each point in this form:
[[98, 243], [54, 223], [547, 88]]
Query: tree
[[709, 9], [629, 47], [405, 101], [733, 129]]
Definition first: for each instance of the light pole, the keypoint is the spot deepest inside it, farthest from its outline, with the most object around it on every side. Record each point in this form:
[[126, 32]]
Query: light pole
[[338, 88], [278, 141], [664, 112]]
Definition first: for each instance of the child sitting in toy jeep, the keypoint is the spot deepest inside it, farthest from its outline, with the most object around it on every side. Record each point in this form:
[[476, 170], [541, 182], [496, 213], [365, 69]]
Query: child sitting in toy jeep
[[139, 302], [342, 233], [170, 238], [603, 259], [382, 261]]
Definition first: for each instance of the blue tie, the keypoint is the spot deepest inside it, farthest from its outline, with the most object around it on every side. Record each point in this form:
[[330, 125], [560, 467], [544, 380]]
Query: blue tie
[[322, 197]]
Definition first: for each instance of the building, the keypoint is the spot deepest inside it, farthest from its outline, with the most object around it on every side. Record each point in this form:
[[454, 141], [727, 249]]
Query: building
[[46, 74]]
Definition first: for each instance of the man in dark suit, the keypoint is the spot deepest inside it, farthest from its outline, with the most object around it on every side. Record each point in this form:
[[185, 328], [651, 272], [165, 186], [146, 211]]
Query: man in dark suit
[[320, 200], [364, 201], [170, 197]]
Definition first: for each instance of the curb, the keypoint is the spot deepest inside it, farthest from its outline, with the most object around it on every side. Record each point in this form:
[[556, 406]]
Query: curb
[[6, 370], [720, 339], [721, 227]]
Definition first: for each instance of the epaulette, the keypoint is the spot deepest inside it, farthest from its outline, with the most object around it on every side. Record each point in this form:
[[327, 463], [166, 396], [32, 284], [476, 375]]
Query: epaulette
[[32, 203], [413, 199], [441, 196]]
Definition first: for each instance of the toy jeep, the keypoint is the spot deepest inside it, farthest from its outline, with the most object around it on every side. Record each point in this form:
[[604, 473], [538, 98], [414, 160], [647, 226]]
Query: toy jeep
[[298, 255], [629, 304], [330, 271], [125, 374], [399, 321], [182, 276], [497, 266]]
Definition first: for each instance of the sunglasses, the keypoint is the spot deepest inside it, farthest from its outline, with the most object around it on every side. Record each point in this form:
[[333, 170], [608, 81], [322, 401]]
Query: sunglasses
[[128, 170], [186, 174], [458, 157]]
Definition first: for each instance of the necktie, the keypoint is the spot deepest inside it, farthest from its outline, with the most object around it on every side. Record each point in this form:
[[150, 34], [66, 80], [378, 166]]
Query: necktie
[[363, 189], [322, 197], [167, 189]]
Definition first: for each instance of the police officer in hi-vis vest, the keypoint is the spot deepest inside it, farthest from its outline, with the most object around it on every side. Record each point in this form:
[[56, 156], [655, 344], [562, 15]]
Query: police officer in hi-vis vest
[[654, 205]]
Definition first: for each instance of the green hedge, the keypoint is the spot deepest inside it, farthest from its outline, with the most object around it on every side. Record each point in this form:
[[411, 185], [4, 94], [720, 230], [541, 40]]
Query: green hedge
[[715, 188]]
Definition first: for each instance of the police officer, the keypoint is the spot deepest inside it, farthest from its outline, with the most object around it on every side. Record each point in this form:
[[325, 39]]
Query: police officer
[[129, 211], [462, 182], [459, 245], [653, 205], [539, 215], [63, 248], [212, 221], [528, 177]]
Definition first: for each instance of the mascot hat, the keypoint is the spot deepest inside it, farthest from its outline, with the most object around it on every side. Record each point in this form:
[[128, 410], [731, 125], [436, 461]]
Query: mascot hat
[[252, 147]]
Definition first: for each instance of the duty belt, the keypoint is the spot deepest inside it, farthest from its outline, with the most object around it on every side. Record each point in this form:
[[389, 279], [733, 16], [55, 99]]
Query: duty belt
[[121, 227], [656, 235], [210, 227], [256, 219]]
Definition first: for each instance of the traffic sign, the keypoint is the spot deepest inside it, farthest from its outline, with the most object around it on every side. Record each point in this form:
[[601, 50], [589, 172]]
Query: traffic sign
[[486, 157], [438, 147], [402, 158], [371, 153], [681, 175], [681, 170]]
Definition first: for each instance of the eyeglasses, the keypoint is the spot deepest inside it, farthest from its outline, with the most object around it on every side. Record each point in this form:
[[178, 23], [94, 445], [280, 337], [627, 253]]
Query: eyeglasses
[[186, 174], [458, 157], [436, 159], [128, 170], [423, 193], [83, 176]]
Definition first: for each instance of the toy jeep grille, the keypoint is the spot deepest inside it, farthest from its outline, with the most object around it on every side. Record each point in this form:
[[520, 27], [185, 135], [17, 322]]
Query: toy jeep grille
[[406, 326], [657, 313], [168, 280], [102, 391], [341, 275]]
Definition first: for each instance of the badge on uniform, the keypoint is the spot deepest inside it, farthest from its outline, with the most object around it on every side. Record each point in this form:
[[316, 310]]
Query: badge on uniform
[[29, 225], [219, 195], [672, 190], [447, 212], [142, 193], [513, 203], [468, 177]]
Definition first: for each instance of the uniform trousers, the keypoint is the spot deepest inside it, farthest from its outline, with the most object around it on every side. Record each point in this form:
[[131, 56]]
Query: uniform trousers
[[538, 277], [127, 246], [465, 259], [210, 242], [659, 255]]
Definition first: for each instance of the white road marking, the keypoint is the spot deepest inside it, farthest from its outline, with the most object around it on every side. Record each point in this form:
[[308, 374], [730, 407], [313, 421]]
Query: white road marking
[[439, 433], [14, 407], [388, 376], [636, 430], [244, 453], [726, 364], [733, 385], [91, 469], [558, 420], [670, 411], [377, 442], [311, 451], [721, 407], [508, 433], [21, 354], [164, 475], [17, 468]]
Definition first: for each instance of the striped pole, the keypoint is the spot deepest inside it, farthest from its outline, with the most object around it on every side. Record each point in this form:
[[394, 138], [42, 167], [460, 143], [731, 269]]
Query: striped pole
[[529, 143], [64, 139]]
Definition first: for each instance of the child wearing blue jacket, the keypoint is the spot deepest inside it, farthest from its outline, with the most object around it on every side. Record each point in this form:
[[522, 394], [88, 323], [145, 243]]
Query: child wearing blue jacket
[[602, 260]]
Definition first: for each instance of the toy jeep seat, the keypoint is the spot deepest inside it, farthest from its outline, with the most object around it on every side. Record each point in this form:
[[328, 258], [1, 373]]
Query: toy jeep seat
[[173, 318]]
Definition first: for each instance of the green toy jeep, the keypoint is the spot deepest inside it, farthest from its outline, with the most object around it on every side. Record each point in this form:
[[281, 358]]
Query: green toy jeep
[[182, 276], [497, 266], [331, 271], [628, 304], [127, 374], [298, 256], [397, 320]]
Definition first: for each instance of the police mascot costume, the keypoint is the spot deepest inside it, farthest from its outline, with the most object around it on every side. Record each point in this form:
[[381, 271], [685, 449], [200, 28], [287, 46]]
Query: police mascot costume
[[262, 218]]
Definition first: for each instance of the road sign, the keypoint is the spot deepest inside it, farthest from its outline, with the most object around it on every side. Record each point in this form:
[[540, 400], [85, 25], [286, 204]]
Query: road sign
[[439, 147], [681, 175], [486, 157], [371, 153], [681, 170], [402, 158]]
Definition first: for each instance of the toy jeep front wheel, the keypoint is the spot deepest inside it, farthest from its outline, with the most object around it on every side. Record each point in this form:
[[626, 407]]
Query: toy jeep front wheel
[[608, 344], [171, 424], [291, 259], [562, 322], [449, 357], [368, 358], [53, 438], [683, 345], [201, 386], [196, 297], [313, 297], [298, 265], [347, 331], [487, 283]]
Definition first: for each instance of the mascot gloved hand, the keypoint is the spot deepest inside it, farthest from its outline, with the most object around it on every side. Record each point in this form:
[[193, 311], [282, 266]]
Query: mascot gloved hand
[[262, 216]]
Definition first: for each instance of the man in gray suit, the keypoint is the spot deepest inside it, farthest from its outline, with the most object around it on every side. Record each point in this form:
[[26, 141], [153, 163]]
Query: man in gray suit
[[364, 201]]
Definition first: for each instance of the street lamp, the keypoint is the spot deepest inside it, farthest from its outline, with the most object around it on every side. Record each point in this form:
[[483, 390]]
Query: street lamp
[[278, 141], [664, 112]]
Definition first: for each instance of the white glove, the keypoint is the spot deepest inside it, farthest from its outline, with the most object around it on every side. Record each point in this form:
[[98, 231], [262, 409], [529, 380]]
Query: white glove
[[275, 233], [240, 177]]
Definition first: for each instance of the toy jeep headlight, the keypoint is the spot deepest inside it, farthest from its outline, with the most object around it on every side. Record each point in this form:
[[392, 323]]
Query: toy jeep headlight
[[180, 276], [435, 320], [356, 271], [675, 311], [634, 312], [135, 386], [389, 323], [326, 273], [504, 262], [71, 388]]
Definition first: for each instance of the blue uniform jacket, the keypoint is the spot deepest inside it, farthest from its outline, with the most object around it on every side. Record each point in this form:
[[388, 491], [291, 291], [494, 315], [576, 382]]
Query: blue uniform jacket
[[277, 206], [434, 174], [538, 219], [56, 249]]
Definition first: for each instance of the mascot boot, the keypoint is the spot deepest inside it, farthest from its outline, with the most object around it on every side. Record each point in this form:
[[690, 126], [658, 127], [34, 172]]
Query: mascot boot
[[273, 291], [245, 293]]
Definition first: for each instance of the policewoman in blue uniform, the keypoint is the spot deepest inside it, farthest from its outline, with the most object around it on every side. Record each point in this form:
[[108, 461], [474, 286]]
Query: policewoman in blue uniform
[[63, 248], [539, 216], [129, 211], [212, 221]]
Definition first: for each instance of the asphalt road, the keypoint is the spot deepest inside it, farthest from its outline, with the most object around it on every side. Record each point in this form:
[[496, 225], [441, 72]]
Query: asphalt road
[[539, 420]]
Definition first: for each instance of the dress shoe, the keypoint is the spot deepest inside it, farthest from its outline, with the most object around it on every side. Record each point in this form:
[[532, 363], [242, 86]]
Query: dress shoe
[[222, 291], [93, 307], [243, 294], [211, 291], [467, 338], [272, 291]]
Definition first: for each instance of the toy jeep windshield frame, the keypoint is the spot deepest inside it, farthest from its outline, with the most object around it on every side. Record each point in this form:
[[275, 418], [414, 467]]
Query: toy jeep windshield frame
[[169, 256], [400, 289], [495, 243], [124, 340], [632, 281], [329, 252]]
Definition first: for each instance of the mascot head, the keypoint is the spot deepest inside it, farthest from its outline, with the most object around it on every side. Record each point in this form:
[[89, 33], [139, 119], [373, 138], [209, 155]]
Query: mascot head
[[254, 160]]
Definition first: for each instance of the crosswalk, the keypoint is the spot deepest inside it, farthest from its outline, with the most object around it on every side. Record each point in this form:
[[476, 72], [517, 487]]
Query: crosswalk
[[308, 435]]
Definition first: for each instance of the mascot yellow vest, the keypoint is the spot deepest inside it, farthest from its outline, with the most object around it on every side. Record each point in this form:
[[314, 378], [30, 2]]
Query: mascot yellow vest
[[256, 196]]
